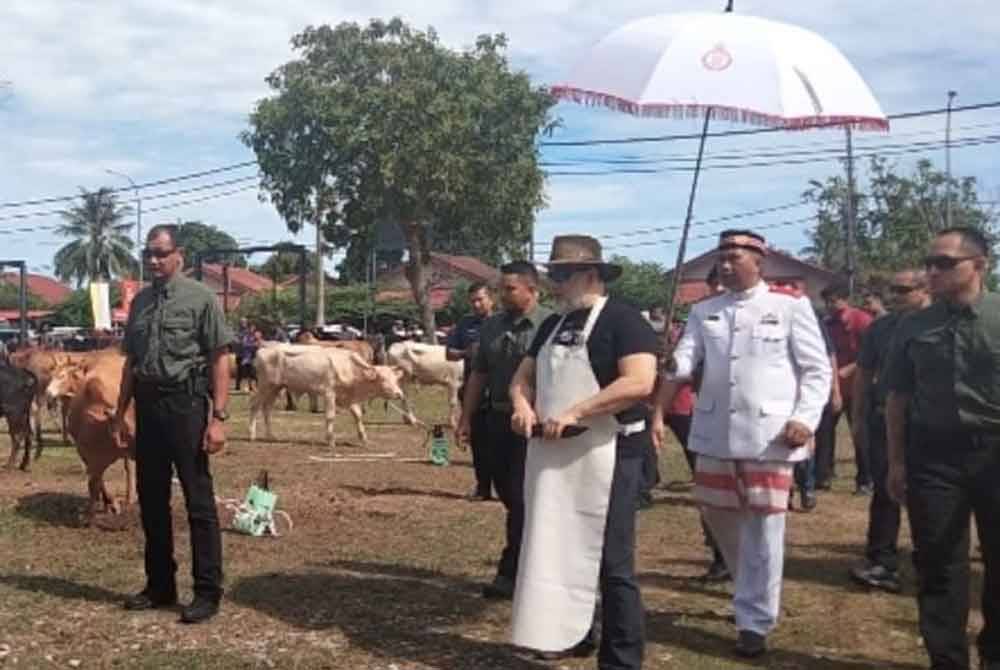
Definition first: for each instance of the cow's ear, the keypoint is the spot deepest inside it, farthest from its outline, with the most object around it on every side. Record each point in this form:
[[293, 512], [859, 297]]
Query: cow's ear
[[371, 374], [398, 371]]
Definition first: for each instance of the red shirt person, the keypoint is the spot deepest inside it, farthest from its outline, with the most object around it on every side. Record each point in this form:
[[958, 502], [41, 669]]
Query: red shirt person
[[847, 326]]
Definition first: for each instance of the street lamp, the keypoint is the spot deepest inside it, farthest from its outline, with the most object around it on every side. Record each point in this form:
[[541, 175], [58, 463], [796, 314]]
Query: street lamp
[[138, 217]]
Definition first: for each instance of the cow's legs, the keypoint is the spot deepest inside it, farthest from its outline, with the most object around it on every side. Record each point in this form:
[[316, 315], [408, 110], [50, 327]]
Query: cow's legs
[[25, 431], [314, 403], [35, 420], [262, 401], [358, 412], [13, 445], [289, 402], [331, 414], [130, 493]]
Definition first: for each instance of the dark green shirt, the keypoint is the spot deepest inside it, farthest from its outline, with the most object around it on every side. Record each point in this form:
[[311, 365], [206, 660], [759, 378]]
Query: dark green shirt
[[503, 341], [874, 356], [947, 357], [172, 328]]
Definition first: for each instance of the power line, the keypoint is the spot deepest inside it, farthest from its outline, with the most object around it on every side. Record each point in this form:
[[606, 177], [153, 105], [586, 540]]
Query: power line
[[756, 131], [149, 184]]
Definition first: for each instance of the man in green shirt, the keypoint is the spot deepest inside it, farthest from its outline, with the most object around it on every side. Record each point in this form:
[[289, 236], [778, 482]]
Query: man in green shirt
[[943, 420], [909, 294], [177, 371], [503, 341]]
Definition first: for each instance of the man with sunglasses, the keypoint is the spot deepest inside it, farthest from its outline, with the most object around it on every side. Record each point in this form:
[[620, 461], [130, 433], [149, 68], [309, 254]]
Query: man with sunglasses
[[590, 367], [176, 369], [503, 340], [909, 294], [766, 377], [943, 421]]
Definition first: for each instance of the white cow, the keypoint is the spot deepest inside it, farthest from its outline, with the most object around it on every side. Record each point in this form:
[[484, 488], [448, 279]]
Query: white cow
[[428, 364], [342, 377]]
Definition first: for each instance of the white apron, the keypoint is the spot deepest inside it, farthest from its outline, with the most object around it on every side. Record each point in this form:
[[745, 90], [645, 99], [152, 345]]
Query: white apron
[[567, 485]]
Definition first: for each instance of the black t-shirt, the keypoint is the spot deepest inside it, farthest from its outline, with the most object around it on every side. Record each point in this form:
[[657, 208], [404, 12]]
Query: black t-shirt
[[620, 331]]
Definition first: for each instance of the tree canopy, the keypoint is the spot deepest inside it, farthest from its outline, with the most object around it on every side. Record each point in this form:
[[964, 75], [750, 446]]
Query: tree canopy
[[382, 123], [896, 217], [101, 246], [196, 237], [642, 284], [282, 265]]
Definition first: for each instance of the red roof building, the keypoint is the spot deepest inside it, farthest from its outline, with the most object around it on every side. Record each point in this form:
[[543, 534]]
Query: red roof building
[[446, 271], [241, 282], [51, 291]]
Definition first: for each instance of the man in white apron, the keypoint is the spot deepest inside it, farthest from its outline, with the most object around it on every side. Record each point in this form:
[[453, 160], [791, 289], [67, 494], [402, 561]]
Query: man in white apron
[[766, 377], [591, 368]]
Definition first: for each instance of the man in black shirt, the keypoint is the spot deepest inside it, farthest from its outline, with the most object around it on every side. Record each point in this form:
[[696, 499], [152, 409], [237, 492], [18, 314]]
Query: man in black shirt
[[463, 343], [590, 368]]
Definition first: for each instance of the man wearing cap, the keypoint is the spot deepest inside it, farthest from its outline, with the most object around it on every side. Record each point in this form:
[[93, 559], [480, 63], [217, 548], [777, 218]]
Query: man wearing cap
[[766, 377], [589, 368]]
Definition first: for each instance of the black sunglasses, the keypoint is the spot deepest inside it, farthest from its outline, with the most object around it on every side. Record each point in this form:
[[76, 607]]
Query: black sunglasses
[[900, 289], [157, 253], [944, 263], [563, 273]]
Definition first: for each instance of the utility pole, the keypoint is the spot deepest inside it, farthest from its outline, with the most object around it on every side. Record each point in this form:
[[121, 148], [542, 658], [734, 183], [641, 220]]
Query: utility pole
[[320, 275], [138, 219], [947, 160], [851, 224]]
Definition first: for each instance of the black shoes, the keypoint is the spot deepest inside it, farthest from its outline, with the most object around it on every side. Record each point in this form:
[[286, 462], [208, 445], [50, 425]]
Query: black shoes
[[586, 647], [877, 577], [148, 600], [501, 588], [200, 609], [751, 645], [808, 501], [717, 572]]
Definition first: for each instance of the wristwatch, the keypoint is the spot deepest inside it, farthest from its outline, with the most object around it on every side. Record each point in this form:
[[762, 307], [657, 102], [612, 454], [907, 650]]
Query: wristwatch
[[220, 414]]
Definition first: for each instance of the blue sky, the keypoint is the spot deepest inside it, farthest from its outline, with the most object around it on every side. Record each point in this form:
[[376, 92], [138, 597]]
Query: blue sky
[[161, 89]]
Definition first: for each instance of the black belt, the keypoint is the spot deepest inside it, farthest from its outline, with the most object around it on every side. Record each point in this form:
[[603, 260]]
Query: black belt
[[190, 386]]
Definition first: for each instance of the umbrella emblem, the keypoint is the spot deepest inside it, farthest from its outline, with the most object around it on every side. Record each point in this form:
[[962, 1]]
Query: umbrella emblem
[[717, 59]]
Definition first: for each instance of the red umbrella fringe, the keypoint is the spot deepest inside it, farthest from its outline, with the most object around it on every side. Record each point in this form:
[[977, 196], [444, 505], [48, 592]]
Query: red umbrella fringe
[[673, 110]]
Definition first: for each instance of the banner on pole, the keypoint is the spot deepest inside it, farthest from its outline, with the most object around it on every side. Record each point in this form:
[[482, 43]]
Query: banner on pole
[[100, 305]]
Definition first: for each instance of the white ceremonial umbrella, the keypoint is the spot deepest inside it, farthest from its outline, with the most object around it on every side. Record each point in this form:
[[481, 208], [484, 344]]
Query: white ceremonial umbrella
[[724, 66]]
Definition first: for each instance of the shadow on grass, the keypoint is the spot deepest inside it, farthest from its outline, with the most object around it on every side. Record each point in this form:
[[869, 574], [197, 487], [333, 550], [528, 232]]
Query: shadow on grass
[[669, 629], [395, 613], [60, 588], [54, 509], [402, 491], [685, 584], [674, 501]]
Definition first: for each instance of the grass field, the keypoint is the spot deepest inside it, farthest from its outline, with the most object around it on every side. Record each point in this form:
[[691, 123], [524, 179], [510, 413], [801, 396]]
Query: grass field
[[384, 567]]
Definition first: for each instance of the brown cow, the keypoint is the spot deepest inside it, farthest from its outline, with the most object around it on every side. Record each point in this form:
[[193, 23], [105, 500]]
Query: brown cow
[[92, 389]]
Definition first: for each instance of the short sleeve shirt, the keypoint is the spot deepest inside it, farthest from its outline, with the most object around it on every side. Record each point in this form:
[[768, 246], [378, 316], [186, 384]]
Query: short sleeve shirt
[[503, 341], [947, 358], [847, 328], [464, 335], [620, 331], [874, 354], [172, 329]]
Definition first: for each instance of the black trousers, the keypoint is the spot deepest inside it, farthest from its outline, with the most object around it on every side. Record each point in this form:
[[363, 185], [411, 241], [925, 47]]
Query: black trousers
[[482, 463], [949, 478], [169, 432], [826, 447], [245, 371], [883, 512], [622, 615], [507, 450]]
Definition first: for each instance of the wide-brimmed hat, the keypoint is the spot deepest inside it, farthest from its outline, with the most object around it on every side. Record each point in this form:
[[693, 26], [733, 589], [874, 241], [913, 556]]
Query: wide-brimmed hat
[[581, 250]]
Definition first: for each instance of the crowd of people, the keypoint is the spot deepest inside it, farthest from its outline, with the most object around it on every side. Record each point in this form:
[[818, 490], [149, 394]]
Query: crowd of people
[[565, 410]]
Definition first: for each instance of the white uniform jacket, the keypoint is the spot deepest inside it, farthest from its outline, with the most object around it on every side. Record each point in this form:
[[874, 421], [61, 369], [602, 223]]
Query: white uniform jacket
[[765, 362]]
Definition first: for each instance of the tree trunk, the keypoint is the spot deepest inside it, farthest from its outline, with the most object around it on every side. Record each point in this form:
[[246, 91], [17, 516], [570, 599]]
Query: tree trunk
[[417, 274], [320, 277]]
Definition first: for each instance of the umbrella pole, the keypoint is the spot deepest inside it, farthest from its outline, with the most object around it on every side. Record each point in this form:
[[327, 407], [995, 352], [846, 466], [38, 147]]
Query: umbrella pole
[[678, 266]]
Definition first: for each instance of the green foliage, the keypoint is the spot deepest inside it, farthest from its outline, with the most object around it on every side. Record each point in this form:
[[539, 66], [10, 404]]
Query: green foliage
[[282, 265], [76, 311], [642, 284], [10, 298], [347, 304], [458, 305], [101, 246], [896, 217], [195, 237], [392, 126]]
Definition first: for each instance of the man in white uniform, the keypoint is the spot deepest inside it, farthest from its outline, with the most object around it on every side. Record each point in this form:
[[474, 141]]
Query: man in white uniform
[[590, 367], [766, 378]]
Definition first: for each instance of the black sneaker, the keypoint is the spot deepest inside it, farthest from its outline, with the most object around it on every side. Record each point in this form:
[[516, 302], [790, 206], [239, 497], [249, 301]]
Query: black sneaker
[[148, 600], [717, 572], [645, 500], [501, 588], [584, 648], [877, 577], [200, 609], [750, 644], [808, 501], [825, 485]]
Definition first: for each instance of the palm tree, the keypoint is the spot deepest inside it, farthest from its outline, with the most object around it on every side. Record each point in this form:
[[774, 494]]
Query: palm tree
[[102, 248]]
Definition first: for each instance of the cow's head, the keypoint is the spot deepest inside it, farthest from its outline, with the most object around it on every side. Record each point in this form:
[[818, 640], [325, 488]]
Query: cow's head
[[66, 382], [386, 381]]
